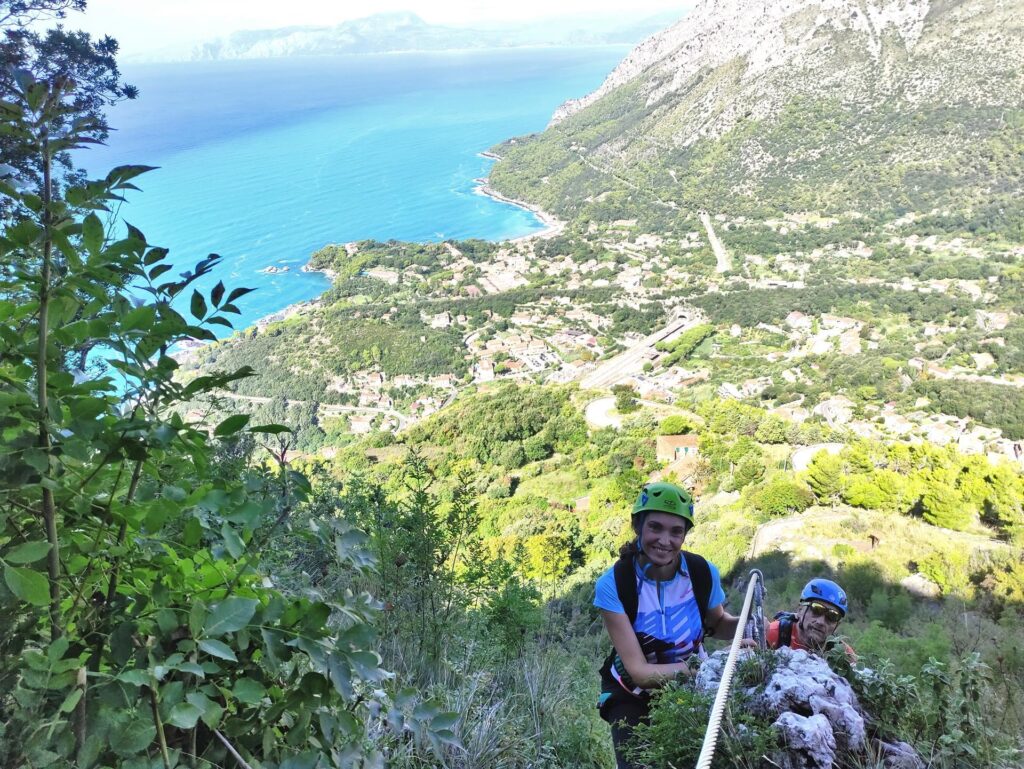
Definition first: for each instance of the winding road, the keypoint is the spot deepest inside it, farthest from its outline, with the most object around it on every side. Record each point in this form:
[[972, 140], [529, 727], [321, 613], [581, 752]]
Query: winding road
[[326, 409]]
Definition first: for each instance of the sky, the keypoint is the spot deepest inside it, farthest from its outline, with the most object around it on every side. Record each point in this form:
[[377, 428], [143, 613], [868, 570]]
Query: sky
[[141, 25]]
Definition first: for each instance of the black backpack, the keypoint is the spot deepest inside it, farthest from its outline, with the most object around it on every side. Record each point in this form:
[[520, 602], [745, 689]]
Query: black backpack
[[625, 585]]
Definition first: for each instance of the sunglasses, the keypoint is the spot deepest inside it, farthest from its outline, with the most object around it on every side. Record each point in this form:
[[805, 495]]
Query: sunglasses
[[823, 610]]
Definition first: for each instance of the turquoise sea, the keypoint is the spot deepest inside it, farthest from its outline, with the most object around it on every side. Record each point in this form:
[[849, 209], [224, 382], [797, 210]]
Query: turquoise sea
[[265, 161]]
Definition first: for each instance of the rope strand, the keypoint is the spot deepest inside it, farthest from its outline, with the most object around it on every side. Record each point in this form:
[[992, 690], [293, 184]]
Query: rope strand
[[755, 592]]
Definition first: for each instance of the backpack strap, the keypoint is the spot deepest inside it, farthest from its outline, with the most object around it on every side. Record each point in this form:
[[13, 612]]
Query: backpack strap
[[786, 619], [700, 578], [629, 596], [626, 587]]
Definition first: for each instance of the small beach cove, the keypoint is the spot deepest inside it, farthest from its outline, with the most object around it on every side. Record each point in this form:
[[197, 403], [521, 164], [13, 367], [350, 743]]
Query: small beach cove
[[552, 225]]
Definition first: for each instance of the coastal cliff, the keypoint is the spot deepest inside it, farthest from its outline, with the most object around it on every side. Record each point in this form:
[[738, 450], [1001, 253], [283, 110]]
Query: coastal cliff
[[741, 104], [798, 41]]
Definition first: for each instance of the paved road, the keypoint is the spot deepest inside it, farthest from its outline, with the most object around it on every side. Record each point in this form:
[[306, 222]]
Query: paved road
[[631, 361], [326, 409], [802, 457], [598, 414], [724, 263]]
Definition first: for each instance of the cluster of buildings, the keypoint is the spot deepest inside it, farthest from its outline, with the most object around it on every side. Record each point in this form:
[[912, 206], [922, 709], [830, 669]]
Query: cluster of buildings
[[375, 405]]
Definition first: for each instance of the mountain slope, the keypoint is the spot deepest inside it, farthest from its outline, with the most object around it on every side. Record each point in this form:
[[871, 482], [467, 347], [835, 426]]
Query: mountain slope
[[824, 105]]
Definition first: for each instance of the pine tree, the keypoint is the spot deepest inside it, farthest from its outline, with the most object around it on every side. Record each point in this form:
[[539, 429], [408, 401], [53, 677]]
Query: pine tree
[[825, 476], [941, 505]]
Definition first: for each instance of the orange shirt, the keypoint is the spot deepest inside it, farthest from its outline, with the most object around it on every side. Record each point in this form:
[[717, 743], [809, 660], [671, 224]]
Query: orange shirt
[[772, 639]]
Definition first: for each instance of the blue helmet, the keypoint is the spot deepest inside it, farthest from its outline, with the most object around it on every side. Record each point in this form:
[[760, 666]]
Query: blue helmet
[[825, 590]]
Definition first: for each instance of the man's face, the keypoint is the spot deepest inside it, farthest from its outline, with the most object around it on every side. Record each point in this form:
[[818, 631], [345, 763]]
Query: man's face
[[817, 621]]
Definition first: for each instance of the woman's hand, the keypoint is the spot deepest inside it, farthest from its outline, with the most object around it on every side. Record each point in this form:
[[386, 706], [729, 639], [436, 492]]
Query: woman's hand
[[644, 674]]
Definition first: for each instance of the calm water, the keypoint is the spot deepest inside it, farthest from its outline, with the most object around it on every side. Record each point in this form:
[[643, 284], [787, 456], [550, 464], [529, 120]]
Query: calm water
[[264, 162]]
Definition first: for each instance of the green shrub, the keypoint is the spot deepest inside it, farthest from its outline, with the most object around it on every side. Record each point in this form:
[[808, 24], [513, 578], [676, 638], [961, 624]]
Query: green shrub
[[891, 608], [1004, 583], [501, 488], [537, 448], [511, 456], [679, 718], [781, 496], [513, 612], [843, 550], [861, 578], [891, 699], [950, 570], [676, 424]]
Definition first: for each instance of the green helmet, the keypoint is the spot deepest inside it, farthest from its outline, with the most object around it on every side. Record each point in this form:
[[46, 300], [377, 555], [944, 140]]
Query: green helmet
[[664, 498]]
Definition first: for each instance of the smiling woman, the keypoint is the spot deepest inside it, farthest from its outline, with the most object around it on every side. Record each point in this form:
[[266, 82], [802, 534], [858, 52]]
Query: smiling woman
[[657, 602]]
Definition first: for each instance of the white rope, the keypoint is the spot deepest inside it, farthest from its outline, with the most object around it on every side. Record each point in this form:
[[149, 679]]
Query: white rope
[[707, 751]]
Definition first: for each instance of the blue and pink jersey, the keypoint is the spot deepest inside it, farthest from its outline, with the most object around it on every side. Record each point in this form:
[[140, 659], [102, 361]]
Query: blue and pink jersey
[[668, 623]]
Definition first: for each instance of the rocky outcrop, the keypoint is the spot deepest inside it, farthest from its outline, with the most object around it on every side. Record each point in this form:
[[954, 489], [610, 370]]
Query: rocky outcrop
[[814, 710], [834, 39], [807, 742]]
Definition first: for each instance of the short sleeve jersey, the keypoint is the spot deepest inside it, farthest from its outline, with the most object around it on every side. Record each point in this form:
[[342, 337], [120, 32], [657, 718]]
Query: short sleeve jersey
[[668, 623]]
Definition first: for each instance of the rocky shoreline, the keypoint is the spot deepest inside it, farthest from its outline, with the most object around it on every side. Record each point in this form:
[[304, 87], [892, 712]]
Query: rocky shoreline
[[552, 224], [329, 273]]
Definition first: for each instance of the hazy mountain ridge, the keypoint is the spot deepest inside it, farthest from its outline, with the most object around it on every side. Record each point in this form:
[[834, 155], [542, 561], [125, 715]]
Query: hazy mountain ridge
[[896, 87], [395, 32]]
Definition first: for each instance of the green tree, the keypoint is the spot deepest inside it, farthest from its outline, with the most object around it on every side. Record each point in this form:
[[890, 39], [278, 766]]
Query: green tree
[[87, 66], [825, 476], [139, 623], [750, 470], [676, 424], [772, 429], [781, 496], [864, 491], [625, 399], [1003, 505], [942, 505], [537, 448]]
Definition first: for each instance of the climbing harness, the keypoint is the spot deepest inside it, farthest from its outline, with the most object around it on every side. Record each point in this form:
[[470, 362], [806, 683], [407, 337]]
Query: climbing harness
[[755, 596]]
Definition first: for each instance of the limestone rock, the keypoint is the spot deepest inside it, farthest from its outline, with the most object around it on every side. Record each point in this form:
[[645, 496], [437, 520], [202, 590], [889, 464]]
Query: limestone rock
[[808, 741], [898, 755], [815, 710], [805, 683]]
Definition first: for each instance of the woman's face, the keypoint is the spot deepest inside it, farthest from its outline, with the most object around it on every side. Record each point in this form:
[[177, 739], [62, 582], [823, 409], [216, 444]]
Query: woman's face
[[661, 537]]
